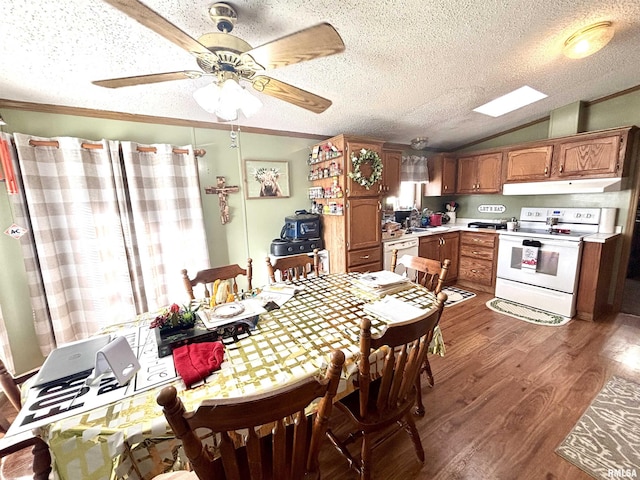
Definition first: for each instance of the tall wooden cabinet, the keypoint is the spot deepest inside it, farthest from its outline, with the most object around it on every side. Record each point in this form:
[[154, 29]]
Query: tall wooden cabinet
[[354, 237]]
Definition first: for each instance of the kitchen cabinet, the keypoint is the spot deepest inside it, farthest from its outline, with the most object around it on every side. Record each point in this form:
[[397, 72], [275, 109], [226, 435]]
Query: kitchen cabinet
[[442, 175], [441, 247], [478, 260], [596, 156], [529, 164], [353, 237], [391, 161], [480, 173], [596, 270], [601, 154]]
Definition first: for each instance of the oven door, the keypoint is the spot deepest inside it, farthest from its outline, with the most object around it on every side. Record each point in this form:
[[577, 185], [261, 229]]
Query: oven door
[[555, 262]]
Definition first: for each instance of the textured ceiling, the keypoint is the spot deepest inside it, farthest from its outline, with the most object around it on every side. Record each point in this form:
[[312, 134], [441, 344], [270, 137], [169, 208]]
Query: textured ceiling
[[410, 68]]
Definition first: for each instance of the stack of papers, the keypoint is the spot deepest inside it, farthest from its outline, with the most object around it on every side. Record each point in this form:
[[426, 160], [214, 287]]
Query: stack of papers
[[279, 293], [379, 284], [395, 311]]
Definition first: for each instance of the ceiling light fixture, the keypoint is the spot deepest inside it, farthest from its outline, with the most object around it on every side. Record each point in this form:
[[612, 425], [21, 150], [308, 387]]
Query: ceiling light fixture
[[225, 97], [588, 40], [419, 143], [511, 101]]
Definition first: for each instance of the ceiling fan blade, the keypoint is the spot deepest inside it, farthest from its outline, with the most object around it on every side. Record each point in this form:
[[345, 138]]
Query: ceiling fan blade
[[288, 93], [144, 79], [154, 21], [313, 42]]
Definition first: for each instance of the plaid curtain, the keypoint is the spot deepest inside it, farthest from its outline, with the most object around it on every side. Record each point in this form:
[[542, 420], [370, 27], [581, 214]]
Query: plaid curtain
[[165, 222], [414, 169], [93, 256]]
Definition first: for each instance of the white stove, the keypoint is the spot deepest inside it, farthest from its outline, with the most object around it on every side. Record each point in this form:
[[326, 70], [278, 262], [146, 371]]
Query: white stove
[[573, 224], [539, 263]]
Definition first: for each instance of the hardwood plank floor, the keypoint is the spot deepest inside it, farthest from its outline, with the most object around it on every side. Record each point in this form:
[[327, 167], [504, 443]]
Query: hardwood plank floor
[[507, 393]]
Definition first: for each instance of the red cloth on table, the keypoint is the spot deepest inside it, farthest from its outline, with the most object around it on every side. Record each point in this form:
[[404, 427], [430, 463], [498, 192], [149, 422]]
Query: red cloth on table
[[194, 362]]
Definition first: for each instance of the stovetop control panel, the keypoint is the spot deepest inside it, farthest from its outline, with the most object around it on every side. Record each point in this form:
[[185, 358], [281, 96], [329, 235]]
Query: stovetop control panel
[[588, 216]]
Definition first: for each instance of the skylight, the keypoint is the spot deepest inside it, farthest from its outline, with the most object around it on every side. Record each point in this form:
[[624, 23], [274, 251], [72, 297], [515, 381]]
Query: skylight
[[510, 102]]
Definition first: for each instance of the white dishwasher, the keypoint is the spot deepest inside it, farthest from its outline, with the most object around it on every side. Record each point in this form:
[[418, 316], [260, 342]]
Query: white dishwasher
[[405, 246]]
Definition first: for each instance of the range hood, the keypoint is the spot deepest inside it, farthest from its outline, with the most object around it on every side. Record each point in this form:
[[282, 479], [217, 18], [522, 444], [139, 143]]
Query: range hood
[[587, 185]]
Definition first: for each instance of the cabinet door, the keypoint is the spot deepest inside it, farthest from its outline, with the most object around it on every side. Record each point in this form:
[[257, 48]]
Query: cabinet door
[[450, 249], [363, 223], [391, 173], [467, 174], [489, 171], [529, 164], [594, 157], [442, 175], [429, 247], [355, 189], [449, 170]]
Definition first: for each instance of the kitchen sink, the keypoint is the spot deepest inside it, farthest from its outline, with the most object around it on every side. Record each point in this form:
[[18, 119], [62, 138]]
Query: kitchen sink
[[427, 229]]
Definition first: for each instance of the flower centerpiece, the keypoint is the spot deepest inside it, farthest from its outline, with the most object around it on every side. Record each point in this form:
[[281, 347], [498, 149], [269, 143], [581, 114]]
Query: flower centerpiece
[[175, 318]]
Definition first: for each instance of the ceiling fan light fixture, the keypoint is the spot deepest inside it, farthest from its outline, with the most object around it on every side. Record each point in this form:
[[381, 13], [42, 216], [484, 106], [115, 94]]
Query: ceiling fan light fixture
[[225, 101], [588, 40], [208, 97]]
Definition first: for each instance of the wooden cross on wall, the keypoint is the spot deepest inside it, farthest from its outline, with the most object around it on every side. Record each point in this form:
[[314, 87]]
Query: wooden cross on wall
[[222, 190]]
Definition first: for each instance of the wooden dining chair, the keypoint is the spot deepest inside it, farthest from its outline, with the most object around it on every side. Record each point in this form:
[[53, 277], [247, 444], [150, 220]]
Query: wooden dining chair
[[24, 451], [430, 274], [378, 404], [427, 272], [210, 275], [293, 267], [291, 449]]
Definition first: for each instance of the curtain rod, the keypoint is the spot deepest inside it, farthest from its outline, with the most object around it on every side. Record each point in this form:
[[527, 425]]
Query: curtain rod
[[53, 143]]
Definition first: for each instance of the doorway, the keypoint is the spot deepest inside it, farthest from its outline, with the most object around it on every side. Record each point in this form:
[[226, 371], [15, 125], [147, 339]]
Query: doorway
[[631, 292]]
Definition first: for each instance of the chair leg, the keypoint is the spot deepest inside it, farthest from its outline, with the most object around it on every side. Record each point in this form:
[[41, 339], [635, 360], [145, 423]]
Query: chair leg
[[415, 436], [427, 368], [365, 458], [41, 460], [419, 411]]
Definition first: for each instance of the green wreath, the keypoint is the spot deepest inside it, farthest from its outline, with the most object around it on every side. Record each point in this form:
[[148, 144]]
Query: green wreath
[[370, 157]]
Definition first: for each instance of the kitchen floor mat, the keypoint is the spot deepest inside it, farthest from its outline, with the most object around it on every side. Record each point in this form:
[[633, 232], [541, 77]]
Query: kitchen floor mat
[[604, 441], [456, 295], [525, 313]]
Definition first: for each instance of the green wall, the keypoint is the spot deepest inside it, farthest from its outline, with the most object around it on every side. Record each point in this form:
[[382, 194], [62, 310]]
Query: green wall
[[254, 223]]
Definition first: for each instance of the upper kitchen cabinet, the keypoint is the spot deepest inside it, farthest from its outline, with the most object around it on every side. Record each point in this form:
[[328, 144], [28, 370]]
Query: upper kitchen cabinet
[[480, 173], [599, 154], [593, 155], [529, 164], [391, 161], [442, 175], [353, 146]]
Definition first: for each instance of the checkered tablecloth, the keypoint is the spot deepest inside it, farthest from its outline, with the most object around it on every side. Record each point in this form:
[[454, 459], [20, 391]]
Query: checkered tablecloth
[[131, 440]]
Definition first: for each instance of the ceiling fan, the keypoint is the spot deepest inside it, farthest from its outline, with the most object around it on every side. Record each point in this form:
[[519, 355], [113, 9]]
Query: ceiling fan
[[226, 56]]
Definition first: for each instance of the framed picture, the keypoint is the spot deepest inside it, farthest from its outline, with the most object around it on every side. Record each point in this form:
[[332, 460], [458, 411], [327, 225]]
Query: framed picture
[[266, 178]]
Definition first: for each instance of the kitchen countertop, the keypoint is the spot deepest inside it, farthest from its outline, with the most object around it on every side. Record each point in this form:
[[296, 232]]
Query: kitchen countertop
[[462, 227]]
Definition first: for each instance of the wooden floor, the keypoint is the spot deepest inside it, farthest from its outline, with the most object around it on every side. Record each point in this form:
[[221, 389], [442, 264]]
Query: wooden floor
[[507, 393]]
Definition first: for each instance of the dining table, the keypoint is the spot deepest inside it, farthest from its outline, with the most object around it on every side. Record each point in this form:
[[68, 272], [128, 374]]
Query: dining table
[[129, 437]]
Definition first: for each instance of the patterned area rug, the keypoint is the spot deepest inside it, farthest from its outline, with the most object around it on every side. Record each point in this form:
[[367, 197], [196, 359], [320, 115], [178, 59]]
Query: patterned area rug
[[605, 442], [456, 295], [528, 314]]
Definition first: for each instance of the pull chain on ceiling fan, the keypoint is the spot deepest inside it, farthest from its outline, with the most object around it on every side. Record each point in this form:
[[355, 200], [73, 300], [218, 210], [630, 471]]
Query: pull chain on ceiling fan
[[231, 60]]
